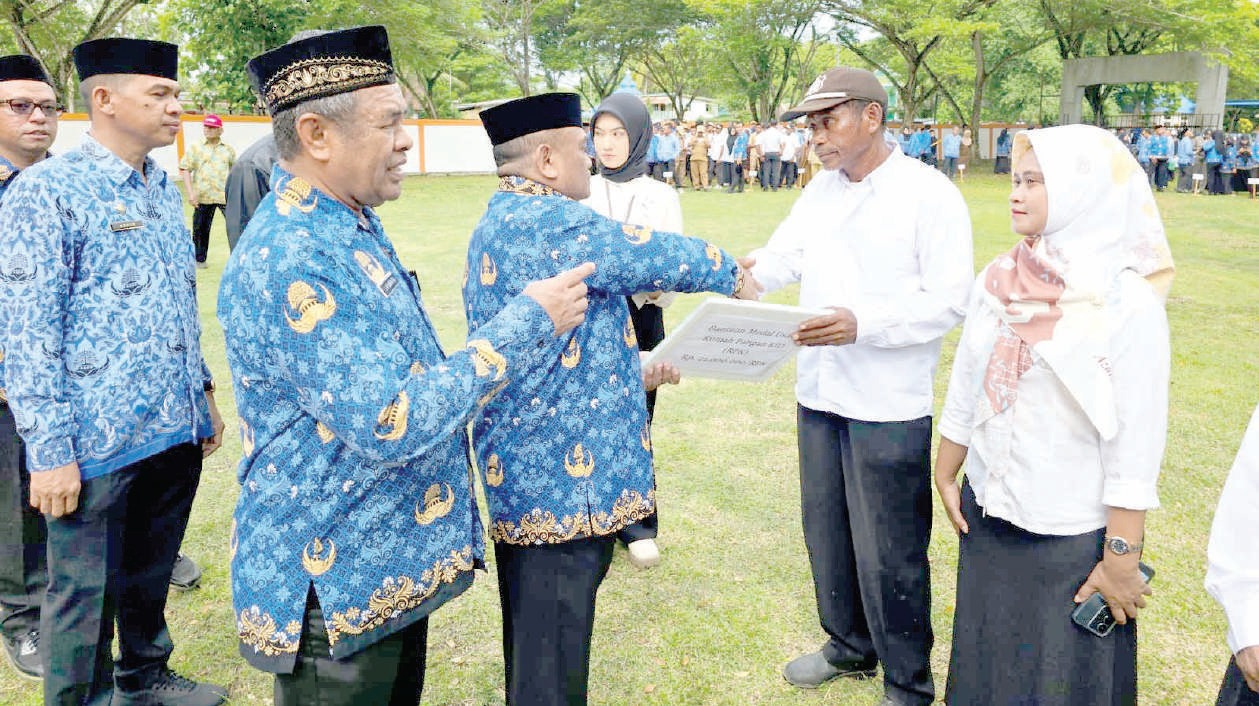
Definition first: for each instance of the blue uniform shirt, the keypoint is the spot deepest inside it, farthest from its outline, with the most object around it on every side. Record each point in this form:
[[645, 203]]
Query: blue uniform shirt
[[1210, 151], [101, 331], [355, 476], [565, 449], [740, 149], [921, 143], [8, 173], [668, 148], [952, 145], [1003, 145], [1184, 151]]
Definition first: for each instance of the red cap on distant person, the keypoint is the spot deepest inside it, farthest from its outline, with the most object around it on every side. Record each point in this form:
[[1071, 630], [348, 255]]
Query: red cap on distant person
[[212, 120]]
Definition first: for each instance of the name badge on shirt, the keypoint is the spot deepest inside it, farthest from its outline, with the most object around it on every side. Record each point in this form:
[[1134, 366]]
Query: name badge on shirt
[[118, 226]]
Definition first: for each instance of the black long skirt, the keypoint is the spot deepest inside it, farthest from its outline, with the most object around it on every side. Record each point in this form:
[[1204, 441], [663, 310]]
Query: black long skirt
[[1013, 639], [649, 329]]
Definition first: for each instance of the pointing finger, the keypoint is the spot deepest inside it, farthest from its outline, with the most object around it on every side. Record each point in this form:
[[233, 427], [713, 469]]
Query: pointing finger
[[578, 273]]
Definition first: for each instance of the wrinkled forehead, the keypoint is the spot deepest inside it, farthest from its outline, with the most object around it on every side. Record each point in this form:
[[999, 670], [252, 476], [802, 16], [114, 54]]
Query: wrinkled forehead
[[383, 100]]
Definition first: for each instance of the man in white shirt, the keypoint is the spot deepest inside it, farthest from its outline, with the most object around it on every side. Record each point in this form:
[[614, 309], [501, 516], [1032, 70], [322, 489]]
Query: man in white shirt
[[771, 144], [884, 242], [1233, 570], [790, 153]]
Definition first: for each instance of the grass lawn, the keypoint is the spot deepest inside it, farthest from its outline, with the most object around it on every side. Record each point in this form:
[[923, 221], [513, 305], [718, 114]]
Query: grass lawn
[[732, 600]]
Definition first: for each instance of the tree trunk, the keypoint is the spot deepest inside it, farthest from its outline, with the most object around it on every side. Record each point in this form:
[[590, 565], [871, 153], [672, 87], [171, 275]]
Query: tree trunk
[[981, 80]]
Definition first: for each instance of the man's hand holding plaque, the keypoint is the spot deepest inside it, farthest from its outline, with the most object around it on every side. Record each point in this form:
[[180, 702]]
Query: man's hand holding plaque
[[837, 328]]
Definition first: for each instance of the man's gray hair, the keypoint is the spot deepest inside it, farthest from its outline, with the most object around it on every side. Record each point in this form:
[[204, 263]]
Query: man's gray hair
[[512, 151], [340, 109]]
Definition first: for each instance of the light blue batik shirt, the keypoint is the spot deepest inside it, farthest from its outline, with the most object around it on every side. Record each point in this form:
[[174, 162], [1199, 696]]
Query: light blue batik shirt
[[565, 450], [8, 173], [355, 477], [101, 332]]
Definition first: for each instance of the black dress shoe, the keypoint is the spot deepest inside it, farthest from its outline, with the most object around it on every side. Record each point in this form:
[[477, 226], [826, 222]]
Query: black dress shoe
[[23, 654], [185, 575], [813, 670], [171, 689]]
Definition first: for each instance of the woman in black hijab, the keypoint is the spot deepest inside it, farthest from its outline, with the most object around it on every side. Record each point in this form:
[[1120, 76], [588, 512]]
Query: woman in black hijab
[[621, 128]]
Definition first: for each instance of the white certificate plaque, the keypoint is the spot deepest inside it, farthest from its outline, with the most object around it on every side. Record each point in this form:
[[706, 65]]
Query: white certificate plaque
[[730, 339]]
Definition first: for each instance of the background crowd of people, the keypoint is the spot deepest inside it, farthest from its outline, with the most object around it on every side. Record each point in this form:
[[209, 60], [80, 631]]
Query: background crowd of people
[[1204, 161]]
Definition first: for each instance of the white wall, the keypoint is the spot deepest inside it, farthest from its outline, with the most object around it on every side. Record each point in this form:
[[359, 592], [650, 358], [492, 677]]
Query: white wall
[[448, 147], [455, 148]]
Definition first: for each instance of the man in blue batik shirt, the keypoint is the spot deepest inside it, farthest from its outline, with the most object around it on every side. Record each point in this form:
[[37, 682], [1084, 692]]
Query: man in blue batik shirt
[[106, 380], [356, 517], [565, 449], [28, 126]]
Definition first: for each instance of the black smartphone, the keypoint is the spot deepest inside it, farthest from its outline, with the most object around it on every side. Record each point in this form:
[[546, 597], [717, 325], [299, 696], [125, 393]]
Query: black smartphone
[[1094, 615]]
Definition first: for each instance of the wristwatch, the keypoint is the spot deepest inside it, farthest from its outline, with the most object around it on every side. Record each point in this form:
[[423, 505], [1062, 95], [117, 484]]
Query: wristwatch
[[1120, 546]]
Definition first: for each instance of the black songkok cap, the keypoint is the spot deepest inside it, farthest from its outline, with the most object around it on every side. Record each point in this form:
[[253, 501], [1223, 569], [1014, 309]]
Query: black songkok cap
[[20, 67], [322, 66], [525, 116], [120, 55]]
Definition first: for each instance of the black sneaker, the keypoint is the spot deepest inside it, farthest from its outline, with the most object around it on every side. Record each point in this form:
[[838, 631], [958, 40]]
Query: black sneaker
[[171, 689], [23, 654], [185, 575]]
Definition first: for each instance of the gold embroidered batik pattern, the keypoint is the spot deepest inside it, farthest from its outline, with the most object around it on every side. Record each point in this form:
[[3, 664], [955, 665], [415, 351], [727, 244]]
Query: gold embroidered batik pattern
[[542, 527], [321, 76], [259, 631], [398, 595], [527, 187]]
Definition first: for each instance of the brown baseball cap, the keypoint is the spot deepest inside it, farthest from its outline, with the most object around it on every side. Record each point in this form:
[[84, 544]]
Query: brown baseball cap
[[839, 85]]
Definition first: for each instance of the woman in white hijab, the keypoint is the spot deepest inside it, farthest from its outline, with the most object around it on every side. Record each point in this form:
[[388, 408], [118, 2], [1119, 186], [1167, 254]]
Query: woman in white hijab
[[1058, 405]]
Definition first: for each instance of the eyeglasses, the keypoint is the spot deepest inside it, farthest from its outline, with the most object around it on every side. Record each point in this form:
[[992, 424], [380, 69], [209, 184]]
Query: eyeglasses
[[25, 107]]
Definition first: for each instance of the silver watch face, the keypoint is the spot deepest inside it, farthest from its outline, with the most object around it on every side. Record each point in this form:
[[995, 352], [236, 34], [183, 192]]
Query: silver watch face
[[1117, 545]]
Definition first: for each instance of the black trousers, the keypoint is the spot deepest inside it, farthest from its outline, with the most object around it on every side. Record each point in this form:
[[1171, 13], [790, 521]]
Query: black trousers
[[389, 672], [202, 219], [771, 170], [111, 560], [865, 491], [1234, 691], [648, 323], [734, 171], [23, 566], [1162, 175], [548, 599], [1215, 178], [791, 174]]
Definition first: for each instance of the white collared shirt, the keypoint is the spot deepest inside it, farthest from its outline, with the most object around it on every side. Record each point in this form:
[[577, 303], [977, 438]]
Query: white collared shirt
[[1041, 464], [771, 140], [641, 201], [1233, 551], [895, 249]]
